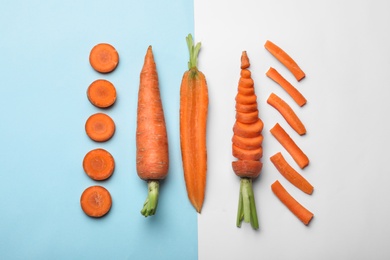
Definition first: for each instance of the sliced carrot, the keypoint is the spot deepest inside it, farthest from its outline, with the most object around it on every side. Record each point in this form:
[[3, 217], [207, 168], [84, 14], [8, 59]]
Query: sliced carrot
[[285, 59], [293, 205], [290, 174], [288, 143], [247, 118], [246, 108], [247, 168], [248, 130], [100, 127], [98, 164], [247, 143], [245, 82], [104, 58], [287, 112], [101, 93], [287, 86], [96, 201], [246, 99], [244, 60]]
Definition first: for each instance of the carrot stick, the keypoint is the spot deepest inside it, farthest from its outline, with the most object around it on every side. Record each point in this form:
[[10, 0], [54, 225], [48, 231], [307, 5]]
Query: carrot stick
[[290, 174], [290, 89], [96, 201], [98, 164], [288, 143], [100, 127], [293, 205], [101, 93], [285, 59], [151, 135], [286, 111], [193, 118], [104, 58], [247, 144]]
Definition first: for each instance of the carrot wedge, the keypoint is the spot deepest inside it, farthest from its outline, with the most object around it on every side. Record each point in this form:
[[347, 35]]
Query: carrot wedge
[[290, 174], [287, 112], [287, 86], [293, 205], [285, 59], [288, 143]]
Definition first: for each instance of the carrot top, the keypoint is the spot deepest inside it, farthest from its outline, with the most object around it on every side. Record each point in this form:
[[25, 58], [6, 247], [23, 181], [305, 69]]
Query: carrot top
[[194, 52]]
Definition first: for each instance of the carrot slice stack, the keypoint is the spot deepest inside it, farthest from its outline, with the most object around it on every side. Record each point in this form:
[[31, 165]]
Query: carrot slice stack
[[285, 59]]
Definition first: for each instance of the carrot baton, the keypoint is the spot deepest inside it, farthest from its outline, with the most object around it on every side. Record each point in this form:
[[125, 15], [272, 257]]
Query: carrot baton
[[151, 135], [290, 174], [247, 144], [193, 119], [285, 59], [293, 205], [287, 86]]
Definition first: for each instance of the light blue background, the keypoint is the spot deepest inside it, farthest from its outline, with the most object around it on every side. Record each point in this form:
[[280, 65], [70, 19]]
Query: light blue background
[[45, 72]]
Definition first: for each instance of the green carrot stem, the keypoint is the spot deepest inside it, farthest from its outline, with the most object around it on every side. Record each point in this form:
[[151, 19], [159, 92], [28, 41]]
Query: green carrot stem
[[246, 204], [150, 205]]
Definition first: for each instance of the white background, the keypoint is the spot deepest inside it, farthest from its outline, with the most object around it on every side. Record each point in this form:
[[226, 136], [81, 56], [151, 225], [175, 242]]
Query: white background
[[344, 48]]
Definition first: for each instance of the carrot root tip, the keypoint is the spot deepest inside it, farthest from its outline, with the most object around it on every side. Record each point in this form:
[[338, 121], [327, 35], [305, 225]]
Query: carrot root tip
[[150, 205], [246, 204]]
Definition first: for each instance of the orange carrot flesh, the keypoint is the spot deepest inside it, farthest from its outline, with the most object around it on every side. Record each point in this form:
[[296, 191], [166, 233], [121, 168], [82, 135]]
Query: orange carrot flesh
[[285, 59], [104, 58], [193, 120], [99, 164], [293, 205], [152, 160], [101, 93], [290, 174], [288, 143], [100, 127], [287, 86], [96, 201], [287, 112]]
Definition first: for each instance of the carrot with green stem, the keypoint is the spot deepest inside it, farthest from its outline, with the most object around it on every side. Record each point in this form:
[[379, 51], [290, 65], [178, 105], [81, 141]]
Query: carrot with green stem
[[247, 144], [193, 119], [151, 135]]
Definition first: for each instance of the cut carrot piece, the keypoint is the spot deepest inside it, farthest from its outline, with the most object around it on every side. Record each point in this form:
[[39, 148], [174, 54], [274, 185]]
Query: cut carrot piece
[[104, 58], [100, 127], [287, 112], [288, 143], [244, 60], [290, 89], [290, 174], [246, 108], [247, 118], [96, 201], [101, 93], [293, 205], [248, 130], [247, 168], [285, 59], [247, 143], [98, 164]]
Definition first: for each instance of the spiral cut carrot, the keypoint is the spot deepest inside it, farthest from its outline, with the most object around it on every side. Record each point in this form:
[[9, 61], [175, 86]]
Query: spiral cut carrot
[[247, 144]]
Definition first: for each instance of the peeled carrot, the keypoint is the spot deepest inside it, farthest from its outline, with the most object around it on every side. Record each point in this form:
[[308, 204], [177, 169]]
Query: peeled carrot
[[151, 134], [101, 93], [96, 201], [287, 112], [247, 144], [287, 86], [98, 164], [288, 143], [104, 58], [285, 59], [293, 205], [290, 174], [100, 127], [193, 119]]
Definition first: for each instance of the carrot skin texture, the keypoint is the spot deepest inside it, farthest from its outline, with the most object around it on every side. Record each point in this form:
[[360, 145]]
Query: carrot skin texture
[[290, 174], [193, 123], [287, 86], [288, 143], [293, 205], [285, 59], [287, 112]]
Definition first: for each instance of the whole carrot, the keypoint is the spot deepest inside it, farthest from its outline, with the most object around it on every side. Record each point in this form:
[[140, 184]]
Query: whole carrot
[[193, 118], [151, 136], [247, 144]]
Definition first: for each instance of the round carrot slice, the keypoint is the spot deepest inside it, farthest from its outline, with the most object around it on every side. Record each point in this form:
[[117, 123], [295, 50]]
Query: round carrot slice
[[103, 58], [100, 127], [101, 93], [98, 164], [96, 201]]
